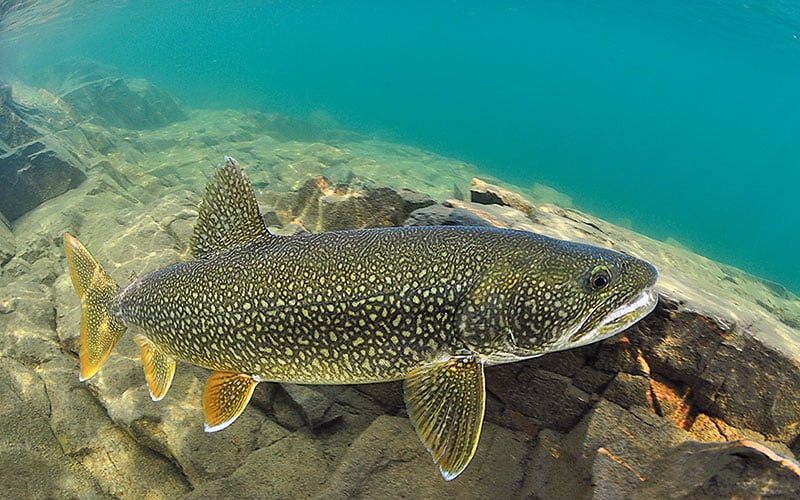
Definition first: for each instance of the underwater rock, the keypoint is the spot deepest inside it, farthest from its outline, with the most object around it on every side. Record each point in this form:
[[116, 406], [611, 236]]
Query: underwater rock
[[460, 213], [104, 446], [292, 467], [488, 194], [730, 374], [38, 111], [322, 206], [621, 448], [72, 72], [413, 200], [370, 206], [444, 215], [34, 174], [61, 440], [315, 406], [8, 246], [117, 102], [32, 463], [14, 131], [326, 154], [288, 128], [381, 461], [739, 469], [47, 150], [549, 400]]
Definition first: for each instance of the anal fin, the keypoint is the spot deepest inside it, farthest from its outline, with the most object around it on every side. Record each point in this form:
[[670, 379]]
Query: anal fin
[[227, 395], [446, 402], [159, 367]]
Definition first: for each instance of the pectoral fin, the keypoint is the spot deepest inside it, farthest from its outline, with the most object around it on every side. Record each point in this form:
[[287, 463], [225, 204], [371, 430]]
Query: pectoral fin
[[159, 367], [227, 395], [445, 402]]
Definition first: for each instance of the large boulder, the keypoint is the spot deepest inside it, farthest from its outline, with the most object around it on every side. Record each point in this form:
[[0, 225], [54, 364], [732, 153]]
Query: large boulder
[[93, 92], [49, 139], [320, 205], [13, 129], [34, 173], [130, 104]]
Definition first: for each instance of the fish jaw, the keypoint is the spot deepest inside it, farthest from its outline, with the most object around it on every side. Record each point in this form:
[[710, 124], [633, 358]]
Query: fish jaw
[[621, 318]]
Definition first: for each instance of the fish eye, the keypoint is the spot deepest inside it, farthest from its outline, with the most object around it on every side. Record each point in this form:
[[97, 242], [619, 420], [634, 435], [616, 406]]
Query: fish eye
[[600, 278]]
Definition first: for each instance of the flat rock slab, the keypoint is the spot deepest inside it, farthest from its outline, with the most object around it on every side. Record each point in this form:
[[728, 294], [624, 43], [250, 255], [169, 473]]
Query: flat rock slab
[[385, 462]]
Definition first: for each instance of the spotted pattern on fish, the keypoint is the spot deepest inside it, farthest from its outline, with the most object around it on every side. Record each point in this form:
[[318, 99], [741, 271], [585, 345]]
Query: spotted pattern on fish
[[358, 306], [315, 308]]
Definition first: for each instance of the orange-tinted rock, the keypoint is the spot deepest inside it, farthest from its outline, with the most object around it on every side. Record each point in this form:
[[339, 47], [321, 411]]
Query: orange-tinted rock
[[672, 401]]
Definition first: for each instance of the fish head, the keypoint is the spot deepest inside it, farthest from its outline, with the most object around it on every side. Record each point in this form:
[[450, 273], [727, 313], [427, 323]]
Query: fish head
[[575, 295]]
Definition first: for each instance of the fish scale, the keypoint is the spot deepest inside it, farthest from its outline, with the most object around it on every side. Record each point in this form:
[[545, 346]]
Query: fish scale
[[429, 305]]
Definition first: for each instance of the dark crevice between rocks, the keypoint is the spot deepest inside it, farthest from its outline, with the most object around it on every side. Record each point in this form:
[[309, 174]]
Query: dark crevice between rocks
[[795, 446], [389, 406], [660, 388], [50, 415], [724, 432], [528, 461], [180, 245], [279, 439], [140, 432]]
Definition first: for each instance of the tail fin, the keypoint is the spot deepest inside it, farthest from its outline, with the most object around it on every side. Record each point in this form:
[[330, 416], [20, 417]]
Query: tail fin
[[99, 330]]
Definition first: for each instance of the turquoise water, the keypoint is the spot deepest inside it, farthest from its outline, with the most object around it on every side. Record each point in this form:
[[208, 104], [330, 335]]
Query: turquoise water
[[681, 119]]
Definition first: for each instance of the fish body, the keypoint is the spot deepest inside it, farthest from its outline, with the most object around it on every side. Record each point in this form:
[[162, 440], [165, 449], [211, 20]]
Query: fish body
[[428, 305]]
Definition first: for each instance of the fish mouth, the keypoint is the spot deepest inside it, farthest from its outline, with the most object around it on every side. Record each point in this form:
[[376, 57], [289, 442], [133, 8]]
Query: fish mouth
[[628, 313], [639, 306]]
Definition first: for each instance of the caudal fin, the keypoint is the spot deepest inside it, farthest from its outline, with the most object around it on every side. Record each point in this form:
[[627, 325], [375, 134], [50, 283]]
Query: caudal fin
[[99, 330]]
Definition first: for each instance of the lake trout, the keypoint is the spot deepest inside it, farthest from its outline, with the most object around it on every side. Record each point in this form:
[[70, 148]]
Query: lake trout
[[428, 305]]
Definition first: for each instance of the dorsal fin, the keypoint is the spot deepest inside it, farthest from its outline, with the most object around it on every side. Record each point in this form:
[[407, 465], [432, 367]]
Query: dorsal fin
[[229, 214]]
